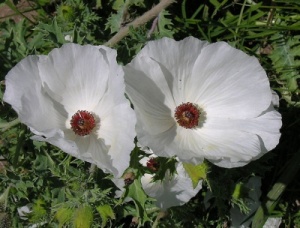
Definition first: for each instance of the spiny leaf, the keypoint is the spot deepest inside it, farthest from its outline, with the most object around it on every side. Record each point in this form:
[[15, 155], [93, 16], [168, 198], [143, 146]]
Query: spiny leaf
[[106, 213], [165, 25], [83, 217], [38, 211], [64, 216]]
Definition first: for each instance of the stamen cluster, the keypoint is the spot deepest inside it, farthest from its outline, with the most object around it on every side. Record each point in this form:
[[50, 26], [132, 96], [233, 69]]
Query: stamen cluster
[[153, 164], [82, 123], [187, 115]]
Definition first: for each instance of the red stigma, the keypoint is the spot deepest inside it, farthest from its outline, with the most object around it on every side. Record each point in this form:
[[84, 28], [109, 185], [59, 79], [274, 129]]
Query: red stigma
[[153, 164], [187, 115], [82, 123]]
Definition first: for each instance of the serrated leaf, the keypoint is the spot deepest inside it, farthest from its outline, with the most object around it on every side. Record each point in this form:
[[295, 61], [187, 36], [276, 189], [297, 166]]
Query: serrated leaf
[[38, 210], [83, 217], [106, 212], [64, 216], [196, 172], [165, 24], [114, 22]]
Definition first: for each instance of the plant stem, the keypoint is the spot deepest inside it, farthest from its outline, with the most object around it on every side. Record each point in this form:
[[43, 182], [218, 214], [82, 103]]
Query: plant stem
[[5, 126], [139, 21]]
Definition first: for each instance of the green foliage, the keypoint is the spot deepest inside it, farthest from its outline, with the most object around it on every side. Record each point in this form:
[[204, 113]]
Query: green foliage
[[285, 60]]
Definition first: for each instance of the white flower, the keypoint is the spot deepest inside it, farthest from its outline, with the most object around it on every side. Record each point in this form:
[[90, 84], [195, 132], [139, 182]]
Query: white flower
[[173, 190], [74, 99], [198, 100]]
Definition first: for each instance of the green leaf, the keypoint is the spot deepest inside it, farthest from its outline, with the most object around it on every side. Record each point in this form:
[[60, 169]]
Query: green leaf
[[106, 213], [38, 211], [4, 199], [64, 216], [83, 217], [165, 25], [196, 172], [136, 192]]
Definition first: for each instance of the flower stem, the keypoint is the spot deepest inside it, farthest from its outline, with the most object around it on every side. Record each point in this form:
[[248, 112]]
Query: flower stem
[[139, 21], [5, 126], [158, 217]]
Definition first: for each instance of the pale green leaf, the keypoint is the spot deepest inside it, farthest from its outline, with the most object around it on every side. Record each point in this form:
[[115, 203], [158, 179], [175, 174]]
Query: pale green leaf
[[83, 217], [106, 212], [196, 172], [64, 216]]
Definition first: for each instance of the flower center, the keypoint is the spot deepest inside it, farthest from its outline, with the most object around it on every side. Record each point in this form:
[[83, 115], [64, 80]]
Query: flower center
[[187, 115], [153, 164], [82, 123]]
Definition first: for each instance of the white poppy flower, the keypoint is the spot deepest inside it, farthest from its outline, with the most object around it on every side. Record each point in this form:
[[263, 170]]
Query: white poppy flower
[[74, 99], [198, 100], [173, 190]]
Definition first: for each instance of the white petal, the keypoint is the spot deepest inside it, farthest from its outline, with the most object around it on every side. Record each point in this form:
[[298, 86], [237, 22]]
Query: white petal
[[275, 99], [266, 126], [25, 93], [178, 57], [117, 131], [150, 101], [227, 82], [218, 145], [173, 190], [159, 142], [75, 75], [87, 148]]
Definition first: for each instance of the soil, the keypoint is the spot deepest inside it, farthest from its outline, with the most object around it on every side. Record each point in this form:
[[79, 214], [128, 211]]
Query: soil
[[26, 9]]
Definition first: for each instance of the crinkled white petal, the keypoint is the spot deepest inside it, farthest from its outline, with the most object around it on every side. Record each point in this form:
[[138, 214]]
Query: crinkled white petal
[[160, 143], [173, 190], [25, 93], [87, 148], [76, 76], [216, 145], [229, 82], [117, 131], [177, 58], [266, 126], [150, 95]]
